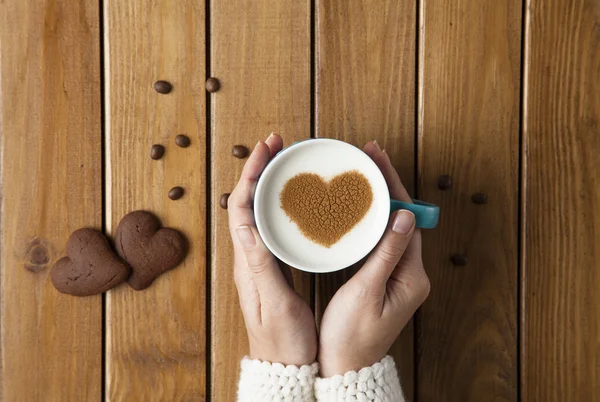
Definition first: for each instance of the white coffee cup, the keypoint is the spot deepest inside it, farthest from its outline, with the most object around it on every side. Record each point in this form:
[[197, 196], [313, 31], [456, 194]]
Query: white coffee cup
[[327, 158]]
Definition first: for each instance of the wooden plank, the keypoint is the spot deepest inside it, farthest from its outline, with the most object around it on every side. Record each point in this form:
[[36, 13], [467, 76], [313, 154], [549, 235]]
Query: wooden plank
[[561, 181], [50, 185], [365, 84], [260, 52], [469, 60], [156, 338]]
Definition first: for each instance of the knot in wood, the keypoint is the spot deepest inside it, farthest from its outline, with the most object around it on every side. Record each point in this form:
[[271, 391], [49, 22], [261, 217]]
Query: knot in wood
[[37, 256]]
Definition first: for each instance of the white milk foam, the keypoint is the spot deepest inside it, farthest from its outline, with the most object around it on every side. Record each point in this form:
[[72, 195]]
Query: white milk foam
[[327, 158]]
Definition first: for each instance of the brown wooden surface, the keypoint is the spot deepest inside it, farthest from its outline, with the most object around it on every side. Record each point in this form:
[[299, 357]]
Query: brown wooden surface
[[51, 184], [156, 338], [561, 186], [260, 52], [469, 129], [365, 90], [438, 87]]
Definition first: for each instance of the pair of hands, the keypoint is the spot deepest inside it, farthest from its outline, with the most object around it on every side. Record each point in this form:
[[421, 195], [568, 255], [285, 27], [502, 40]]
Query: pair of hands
[[366, 314]]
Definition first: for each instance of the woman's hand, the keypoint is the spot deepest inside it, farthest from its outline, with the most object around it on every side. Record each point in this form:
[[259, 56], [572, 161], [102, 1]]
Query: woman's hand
[[281, 326], [367, 313]]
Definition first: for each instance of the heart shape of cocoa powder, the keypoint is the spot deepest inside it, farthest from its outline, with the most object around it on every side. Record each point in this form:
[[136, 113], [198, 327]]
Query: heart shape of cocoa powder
[[326, 211], [91, 266], [148, 248]]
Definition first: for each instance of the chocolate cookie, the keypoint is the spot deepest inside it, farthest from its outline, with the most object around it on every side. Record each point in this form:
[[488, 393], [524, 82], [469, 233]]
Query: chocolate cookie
[[90, 267], [148, 248]]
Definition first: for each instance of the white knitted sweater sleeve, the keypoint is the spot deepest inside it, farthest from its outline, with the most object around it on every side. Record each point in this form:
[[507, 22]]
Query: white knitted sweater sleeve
[[378, 383], [273, 382], [270, 382]]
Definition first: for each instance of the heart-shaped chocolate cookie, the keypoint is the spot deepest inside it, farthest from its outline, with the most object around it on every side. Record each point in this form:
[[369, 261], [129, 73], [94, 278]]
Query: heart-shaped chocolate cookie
[[90, 267], [324, 212], [148, 248]]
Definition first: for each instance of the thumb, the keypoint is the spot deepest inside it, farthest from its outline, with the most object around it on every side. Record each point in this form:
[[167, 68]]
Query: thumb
[[384, 258], [265, 270]]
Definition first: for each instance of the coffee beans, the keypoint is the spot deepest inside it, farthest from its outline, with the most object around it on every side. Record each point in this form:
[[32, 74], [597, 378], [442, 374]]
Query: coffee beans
[[163, 87], [223, 201], [212, 85], [458, 259], [176, 193], [182, 140], [239, 151], [444, 182], [479, 198], [157, 151]]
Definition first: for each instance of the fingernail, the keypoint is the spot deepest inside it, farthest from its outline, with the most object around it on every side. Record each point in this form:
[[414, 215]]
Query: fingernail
[[377, 145], [246, 237], [403, 222], [270, 136], [257, 144]]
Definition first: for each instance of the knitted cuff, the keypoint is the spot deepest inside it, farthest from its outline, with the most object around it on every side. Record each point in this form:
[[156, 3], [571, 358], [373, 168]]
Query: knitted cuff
[[376, 383], [270, 382]]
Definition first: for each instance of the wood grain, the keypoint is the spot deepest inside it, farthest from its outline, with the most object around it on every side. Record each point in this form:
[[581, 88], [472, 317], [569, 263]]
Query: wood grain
[[561, 186], [469, 60], [156, 338], [50, 185], [260, 52], [365, 90]]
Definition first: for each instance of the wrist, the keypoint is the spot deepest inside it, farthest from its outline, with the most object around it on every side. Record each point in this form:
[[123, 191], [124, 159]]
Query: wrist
[[290, 356], [331, 366]]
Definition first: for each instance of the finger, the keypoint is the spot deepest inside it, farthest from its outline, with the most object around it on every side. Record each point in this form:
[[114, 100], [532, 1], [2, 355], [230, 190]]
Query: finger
[[411, 265], [240, 213], [267, 275], [243, 194], [386, 255], [397, 191], [382, 160], [275, 143], [408, 284]]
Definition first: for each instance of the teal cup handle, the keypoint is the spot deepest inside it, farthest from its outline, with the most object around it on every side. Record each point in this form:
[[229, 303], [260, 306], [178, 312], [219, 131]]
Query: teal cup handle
[[426, 214]]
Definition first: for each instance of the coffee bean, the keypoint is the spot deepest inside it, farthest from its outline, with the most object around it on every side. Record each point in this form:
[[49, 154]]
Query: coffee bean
[[182, 140], [479, 198], [458, 259], [223, 200], [444, 182], [176, 193], [212, 84], [163, 87], [157, 151], [239, 151]]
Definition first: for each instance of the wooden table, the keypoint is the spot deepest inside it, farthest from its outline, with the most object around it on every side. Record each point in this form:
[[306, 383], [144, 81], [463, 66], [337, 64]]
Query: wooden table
[[501, 95]]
